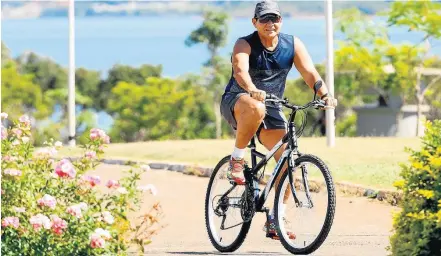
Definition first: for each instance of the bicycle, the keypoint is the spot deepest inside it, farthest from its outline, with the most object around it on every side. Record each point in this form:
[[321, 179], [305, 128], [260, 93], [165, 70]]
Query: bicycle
[[251, 200]]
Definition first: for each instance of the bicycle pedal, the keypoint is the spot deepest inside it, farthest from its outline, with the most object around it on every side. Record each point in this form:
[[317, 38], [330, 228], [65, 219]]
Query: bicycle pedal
[[272, 236]]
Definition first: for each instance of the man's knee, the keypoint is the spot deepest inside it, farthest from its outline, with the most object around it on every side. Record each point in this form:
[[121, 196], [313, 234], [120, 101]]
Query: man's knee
[[248, 108]]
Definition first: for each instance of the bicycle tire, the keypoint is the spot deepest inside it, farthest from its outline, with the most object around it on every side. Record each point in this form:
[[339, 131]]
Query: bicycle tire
[[329, 213], [245, 226]]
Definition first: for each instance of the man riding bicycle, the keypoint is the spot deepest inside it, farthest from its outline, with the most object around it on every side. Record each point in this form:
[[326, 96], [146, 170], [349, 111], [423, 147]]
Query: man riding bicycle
[[260, 63]]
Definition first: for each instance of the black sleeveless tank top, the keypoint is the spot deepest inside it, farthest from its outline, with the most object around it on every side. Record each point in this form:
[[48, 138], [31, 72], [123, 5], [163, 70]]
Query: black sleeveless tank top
[[268, 69]]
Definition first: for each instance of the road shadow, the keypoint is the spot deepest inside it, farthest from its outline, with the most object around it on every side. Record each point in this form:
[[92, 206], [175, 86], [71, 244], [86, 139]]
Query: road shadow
[[218, 253]]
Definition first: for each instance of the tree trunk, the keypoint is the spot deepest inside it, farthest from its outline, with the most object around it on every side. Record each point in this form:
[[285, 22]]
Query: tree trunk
[[419, 113], [419, 98]]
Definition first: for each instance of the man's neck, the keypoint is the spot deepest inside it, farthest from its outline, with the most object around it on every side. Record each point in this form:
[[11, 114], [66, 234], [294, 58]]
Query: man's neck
[[269, 43]]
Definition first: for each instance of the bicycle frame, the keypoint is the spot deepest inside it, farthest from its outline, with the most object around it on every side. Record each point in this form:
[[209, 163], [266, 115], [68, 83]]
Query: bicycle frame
[[291, 149], [250, 174]]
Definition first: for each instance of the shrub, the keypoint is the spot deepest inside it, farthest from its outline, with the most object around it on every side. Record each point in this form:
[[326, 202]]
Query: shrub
[[347, 126], [53, 207], [418, 226]]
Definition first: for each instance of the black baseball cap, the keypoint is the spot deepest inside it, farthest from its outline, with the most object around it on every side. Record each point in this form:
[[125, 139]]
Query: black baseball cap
[[266, 7]]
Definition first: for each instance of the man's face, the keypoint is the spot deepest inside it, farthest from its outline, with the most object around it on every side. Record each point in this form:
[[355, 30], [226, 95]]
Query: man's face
[[268, 24]]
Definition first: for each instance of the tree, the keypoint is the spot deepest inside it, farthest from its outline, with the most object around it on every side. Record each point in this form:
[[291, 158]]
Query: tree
[[6, 53], [158, 110], [47, 73], [87, 82], [376, 63], [424, 17], [20, 94], [124, 73], [213, 32]]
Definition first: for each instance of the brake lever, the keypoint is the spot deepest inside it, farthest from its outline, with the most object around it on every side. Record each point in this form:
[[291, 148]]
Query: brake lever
[[320, 104]]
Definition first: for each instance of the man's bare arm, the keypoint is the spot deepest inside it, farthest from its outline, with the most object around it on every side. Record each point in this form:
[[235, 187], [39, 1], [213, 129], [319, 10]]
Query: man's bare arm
[[241, 54], [241, 65], [305, 66]]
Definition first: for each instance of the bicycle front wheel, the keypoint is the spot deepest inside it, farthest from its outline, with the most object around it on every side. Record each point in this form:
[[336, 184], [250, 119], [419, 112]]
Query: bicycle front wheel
[[304, 224], [223, 210]]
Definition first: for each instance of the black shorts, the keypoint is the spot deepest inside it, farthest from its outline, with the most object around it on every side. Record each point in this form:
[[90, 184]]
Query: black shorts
[[274, 118]]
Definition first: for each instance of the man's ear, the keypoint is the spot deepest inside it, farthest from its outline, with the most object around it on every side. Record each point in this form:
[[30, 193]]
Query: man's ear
[[254, 21]]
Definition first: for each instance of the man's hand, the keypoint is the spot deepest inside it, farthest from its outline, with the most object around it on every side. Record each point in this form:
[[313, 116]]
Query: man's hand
[[330, 101], [258, 95]]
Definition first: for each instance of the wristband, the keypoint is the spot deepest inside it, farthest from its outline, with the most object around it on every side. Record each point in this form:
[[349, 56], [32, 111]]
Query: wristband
[[324, 96]]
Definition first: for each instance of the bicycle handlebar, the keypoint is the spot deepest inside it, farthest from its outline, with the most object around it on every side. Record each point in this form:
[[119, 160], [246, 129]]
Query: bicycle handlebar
[[317, 104]]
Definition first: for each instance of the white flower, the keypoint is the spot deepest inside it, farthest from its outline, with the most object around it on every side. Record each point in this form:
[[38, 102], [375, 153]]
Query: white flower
[[40, 220], [19, 209], [145, 167], [25, 120], [25, 139], [83, 205], [103, 233], [58, 144], [108, 218], [4, 115], [122, 190], [150, 188]]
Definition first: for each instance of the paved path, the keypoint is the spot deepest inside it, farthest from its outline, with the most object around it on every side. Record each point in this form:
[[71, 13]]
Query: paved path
[[361, 227]]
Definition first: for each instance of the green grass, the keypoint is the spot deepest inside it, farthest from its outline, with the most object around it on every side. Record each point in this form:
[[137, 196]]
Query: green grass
[[367, 161]]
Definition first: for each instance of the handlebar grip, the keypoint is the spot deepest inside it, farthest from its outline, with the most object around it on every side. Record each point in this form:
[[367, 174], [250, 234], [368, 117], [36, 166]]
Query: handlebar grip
[[321, 102], [270, 96]]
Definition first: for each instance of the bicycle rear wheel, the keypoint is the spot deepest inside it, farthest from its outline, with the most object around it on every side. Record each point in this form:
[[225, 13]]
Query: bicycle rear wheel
[[310, 219], [221, 208]]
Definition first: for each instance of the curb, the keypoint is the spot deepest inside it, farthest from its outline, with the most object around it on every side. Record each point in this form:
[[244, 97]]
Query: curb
[[389, 196]]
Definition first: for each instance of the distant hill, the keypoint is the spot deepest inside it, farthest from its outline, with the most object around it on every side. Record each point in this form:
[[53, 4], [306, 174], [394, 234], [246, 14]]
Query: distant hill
[[26, 9]]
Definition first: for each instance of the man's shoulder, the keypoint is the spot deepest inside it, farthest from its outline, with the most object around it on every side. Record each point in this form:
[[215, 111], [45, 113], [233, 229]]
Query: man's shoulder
[[248, 37], [287, 36]]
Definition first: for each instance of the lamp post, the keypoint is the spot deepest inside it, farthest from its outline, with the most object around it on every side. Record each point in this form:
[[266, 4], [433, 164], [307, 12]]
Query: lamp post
[[330, 113], [71, 90]]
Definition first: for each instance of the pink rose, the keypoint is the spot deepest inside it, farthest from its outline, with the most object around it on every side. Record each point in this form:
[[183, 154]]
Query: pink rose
[[48, 201], [92, 180], [12, 172], [96, 241], [9, 158], [25, 120], [4, 133], [75, 210], [90, 154], [98, 134], [58, 224], [39, 221], [64, 168], [112, 184], [11, 221], [17, 132]]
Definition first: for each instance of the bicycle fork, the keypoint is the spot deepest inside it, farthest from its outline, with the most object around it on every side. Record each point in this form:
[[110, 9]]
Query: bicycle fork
[[291, 170]]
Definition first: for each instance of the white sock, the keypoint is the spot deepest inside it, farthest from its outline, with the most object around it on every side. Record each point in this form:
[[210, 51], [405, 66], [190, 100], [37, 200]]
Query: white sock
[[238, 153]]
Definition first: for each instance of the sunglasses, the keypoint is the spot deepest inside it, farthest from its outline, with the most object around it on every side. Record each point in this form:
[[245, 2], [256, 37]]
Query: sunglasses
[[267, 18]]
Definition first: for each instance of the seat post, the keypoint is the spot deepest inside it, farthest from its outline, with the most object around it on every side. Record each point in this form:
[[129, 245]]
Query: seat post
[[252, 144]]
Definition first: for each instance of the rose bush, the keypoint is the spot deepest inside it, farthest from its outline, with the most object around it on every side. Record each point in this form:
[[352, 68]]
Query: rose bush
[[53, 207]]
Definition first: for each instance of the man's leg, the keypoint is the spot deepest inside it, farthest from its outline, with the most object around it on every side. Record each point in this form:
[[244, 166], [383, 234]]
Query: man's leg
[[269, 138], [249, 114]]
